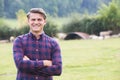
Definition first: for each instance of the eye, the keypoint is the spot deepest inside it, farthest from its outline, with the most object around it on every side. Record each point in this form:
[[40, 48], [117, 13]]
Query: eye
[[39, 19], [33, 19]]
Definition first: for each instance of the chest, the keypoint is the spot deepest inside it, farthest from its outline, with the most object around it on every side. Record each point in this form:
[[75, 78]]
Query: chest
[[37, 49]]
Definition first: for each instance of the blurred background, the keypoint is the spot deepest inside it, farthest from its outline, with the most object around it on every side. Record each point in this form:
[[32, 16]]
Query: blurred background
[[88, 16], [88, 32]]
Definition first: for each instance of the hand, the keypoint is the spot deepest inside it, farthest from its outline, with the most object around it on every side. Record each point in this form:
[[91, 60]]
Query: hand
[[25, 58], [47, 63]]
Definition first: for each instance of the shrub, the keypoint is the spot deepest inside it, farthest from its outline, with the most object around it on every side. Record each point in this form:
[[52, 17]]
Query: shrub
[[5, 32], [82, 25], [22, 30], [50, 29]]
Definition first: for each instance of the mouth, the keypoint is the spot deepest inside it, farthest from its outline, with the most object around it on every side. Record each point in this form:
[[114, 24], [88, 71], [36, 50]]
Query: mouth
[[36, 26]]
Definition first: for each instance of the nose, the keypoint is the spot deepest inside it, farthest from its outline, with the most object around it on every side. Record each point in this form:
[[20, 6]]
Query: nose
[[36, 21]]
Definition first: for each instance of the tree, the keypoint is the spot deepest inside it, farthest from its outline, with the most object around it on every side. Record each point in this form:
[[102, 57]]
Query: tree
[[51, 29], [53, 7], [1, 8], [110, 17], [21, 17]]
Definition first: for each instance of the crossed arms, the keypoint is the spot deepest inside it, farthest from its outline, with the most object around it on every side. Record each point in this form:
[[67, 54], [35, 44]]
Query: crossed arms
[[37, 67]]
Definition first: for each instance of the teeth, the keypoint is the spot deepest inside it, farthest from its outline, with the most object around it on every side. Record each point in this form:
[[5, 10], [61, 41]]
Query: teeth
[[35, 26]]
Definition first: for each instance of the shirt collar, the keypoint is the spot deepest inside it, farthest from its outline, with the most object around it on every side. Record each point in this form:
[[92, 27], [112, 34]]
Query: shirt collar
[[33, 36]]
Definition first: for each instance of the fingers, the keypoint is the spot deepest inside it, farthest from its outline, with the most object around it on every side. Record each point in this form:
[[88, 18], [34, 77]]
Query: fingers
[[47, 62], [25, 58]]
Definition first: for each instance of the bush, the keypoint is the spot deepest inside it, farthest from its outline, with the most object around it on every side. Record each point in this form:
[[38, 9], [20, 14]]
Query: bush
[[22, 30], [84, 25], [108, 18], [5, 32], [50, 29]]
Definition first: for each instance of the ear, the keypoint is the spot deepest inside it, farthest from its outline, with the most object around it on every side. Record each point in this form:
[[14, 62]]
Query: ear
[[45, 22], [27, 21]]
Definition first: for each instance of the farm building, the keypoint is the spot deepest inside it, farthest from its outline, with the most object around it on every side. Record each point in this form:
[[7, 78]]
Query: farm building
[[76, 35]]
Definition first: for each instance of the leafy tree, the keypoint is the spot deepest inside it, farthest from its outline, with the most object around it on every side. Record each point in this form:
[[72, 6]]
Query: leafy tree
[[107, 18], [1, 8], [50, 29], [110, 17], [53, 7], [21, 17], [6, 33]]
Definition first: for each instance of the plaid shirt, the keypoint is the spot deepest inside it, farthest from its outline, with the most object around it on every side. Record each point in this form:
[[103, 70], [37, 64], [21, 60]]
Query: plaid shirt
[[37, 50]]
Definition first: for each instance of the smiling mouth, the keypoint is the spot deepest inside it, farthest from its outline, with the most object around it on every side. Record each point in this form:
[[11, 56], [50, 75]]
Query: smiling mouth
[[36, 26]]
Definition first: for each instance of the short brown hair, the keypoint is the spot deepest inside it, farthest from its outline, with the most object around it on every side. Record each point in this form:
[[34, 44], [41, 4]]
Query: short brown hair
[[37, 10]]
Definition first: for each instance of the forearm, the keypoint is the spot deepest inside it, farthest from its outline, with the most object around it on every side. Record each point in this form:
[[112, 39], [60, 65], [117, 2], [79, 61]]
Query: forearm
[[38, 67], [56, 67], [27, 65], [51, 70], [35, 65]]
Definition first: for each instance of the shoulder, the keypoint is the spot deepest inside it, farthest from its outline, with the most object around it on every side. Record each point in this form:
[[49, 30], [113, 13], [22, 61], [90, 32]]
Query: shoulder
[[21, 37], [51, 40]]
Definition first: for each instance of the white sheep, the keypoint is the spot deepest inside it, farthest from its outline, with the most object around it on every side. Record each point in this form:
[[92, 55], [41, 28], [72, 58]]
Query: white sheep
[[61, 35], [105, 33], [12, 38]]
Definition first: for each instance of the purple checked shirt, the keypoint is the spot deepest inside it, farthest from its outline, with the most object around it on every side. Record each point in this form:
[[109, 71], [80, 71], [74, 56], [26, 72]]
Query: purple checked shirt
[[37, 50]]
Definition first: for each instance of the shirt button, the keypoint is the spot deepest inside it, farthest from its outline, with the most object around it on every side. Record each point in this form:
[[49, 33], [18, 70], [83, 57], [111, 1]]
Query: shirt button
[[36, 49], [36, 77], [36, 59]]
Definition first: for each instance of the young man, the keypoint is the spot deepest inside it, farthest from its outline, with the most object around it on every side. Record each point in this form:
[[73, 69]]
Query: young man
[[36, 55]]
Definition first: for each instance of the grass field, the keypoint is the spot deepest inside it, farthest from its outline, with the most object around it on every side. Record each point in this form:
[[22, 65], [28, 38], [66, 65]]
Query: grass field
[[82, 60]]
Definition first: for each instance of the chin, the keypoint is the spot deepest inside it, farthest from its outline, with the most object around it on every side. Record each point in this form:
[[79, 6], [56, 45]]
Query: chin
[[36, 31]]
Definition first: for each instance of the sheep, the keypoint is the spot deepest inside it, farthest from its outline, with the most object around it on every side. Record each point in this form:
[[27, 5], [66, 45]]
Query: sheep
[[105, 34], [61, 35], [12, 38], [93, 37]]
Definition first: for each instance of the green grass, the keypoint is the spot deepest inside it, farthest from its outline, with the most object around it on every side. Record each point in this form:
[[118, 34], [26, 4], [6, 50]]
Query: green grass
[[82, 60], [7, 67], [13, 23]]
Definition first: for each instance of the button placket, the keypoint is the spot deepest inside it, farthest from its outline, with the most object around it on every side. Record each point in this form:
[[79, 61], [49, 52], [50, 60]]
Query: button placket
[[37, 49]]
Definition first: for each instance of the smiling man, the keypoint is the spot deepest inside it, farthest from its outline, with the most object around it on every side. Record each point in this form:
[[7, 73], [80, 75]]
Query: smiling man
[[36, 55]]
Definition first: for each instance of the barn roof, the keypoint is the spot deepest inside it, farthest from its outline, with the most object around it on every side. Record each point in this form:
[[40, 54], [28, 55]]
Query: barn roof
[[76, 35]]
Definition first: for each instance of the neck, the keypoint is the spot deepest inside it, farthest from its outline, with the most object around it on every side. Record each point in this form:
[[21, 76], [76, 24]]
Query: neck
[[37, 34]]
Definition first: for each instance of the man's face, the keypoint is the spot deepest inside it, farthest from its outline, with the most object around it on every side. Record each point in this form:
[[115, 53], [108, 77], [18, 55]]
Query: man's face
[[36, 22]]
